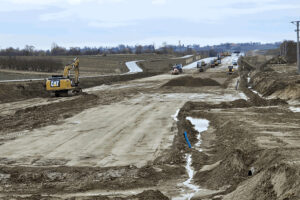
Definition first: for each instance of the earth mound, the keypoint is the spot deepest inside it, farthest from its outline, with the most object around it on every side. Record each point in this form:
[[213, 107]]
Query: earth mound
[[189, 81], [151, 195]]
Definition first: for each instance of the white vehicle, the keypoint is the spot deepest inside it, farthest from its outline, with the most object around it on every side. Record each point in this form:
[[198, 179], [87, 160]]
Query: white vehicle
[[201, 64], [234, 62]]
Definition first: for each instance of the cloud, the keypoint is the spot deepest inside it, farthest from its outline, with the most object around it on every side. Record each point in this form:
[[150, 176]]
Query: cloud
[[148, 20], [109, 24], [159, 2], [56, 15]]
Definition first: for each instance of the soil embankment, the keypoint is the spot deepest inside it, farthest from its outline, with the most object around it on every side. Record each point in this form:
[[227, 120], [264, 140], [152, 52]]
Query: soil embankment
[[189, 81], [250, 150], [272, 80], [15, 91]]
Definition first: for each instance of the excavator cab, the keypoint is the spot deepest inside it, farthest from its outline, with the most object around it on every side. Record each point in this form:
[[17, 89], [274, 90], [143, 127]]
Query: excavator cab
[[64, 85]]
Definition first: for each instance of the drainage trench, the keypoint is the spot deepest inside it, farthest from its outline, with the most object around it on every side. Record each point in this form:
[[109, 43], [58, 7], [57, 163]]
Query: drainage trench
[[200, 125], [250, 87]]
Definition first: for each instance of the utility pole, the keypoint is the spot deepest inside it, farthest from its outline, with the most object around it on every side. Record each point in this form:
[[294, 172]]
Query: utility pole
[[298, 45]]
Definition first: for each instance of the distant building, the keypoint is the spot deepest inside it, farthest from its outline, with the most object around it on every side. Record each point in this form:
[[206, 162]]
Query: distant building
[[288, 49]]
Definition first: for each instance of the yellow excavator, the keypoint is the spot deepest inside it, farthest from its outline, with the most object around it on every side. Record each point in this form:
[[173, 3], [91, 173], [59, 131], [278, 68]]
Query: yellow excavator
[[64, 85]]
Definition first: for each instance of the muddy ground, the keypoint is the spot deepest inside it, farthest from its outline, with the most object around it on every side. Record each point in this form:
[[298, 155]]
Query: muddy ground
[[94, 71], [123, 141], [16, 91]]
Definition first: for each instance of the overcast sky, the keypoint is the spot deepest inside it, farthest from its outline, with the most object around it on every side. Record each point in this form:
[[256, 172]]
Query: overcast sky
[[92, 23]]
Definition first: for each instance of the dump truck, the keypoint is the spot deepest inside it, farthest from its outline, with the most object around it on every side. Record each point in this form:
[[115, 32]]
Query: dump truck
[[64, 85], [177, 69], [212, 64]]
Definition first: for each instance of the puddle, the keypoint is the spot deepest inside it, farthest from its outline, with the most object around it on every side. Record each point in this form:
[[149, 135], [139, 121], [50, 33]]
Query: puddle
[[193, 189], [294, 109], [248, 78], [200, 125], [133, 67], [75, 122], [256, 93], [250, 87]]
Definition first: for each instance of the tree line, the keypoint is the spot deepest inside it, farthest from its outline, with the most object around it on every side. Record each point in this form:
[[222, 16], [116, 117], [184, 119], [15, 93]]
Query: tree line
[[57, 50]]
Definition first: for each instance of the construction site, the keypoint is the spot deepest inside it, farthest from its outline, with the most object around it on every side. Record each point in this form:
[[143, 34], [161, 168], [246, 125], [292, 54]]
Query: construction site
[[149, 100], [205, 131]]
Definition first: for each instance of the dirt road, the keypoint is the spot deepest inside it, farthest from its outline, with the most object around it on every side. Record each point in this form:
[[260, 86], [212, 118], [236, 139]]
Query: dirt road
[[131, 132]]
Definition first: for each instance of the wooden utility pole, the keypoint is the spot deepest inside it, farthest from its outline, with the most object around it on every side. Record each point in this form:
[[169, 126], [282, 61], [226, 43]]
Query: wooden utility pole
[[298, 45]]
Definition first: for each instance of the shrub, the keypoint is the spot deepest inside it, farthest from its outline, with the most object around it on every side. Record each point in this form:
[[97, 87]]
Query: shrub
[[33, 64]]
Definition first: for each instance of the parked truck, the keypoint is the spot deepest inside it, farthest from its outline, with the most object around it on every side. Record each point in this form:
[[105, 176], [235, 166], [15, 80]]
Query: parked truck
[[177, 69]]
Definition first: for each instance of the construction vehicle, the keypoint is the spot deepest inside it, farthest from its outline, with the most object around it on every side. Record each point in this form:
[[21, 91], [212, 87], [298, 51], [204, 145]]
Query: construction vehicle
[[201, 68], [230, 70], [234, 62], [201, 64], [212, 64], [177, 69], [64, 85], [216, 62], [226, 53]]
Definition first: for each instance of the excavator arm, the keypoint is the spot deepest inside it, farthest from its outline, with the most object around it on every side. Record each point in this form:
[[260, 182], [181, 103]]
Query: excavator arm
[[75, 67]]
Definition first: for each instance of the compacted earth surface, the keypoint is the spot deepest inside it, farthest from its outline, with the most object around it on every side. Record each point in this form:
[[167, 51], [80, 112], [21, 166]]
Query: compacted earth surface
[[130, 139]]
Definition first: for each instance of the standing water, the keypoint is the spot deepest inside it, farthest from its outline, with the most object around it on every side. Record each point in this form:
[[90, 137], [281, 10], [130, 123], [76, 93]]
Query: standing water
[[200, 125]]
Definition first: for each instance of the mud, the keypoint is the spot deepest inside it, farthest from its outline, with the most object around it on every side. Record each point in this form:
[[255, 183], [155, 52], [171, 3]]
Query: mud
[[189, 81], [151, 194], [145, 195], [10, 92], [55, 112], [236, 143], [57, 179], [243, 136]]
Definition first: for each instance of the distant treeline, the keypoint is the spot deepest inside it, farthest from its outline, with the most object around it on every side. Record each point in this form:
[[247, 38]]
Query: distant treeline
[[36, 64], [138, 49], [73, 51]]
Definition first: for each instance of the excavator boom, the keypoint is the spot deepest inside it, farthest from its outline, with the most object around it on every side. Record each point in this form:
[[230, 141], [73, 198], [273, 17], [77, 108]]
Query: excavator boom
[[75, 67]]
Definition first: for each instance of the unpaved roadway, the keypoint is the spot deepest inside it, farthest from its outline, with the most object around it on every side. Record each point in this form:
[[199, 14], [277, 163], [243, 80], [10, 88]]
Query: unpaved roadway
[[130, 132]]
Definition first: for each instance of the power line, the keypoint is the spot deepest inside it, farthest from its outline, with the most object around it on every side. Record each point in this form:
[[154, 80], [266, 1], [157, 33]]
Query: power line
[[298, 45]]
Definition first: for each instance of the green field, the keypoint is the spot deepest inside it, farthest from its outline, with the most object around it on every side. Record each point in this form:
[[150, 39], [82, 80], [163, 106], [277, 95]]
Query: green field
[[110, 64]]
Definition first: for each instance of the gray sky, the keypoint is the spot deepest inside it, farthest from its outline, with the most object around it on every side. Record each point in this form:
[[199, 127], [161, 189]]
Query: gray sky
[[112, 22]]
